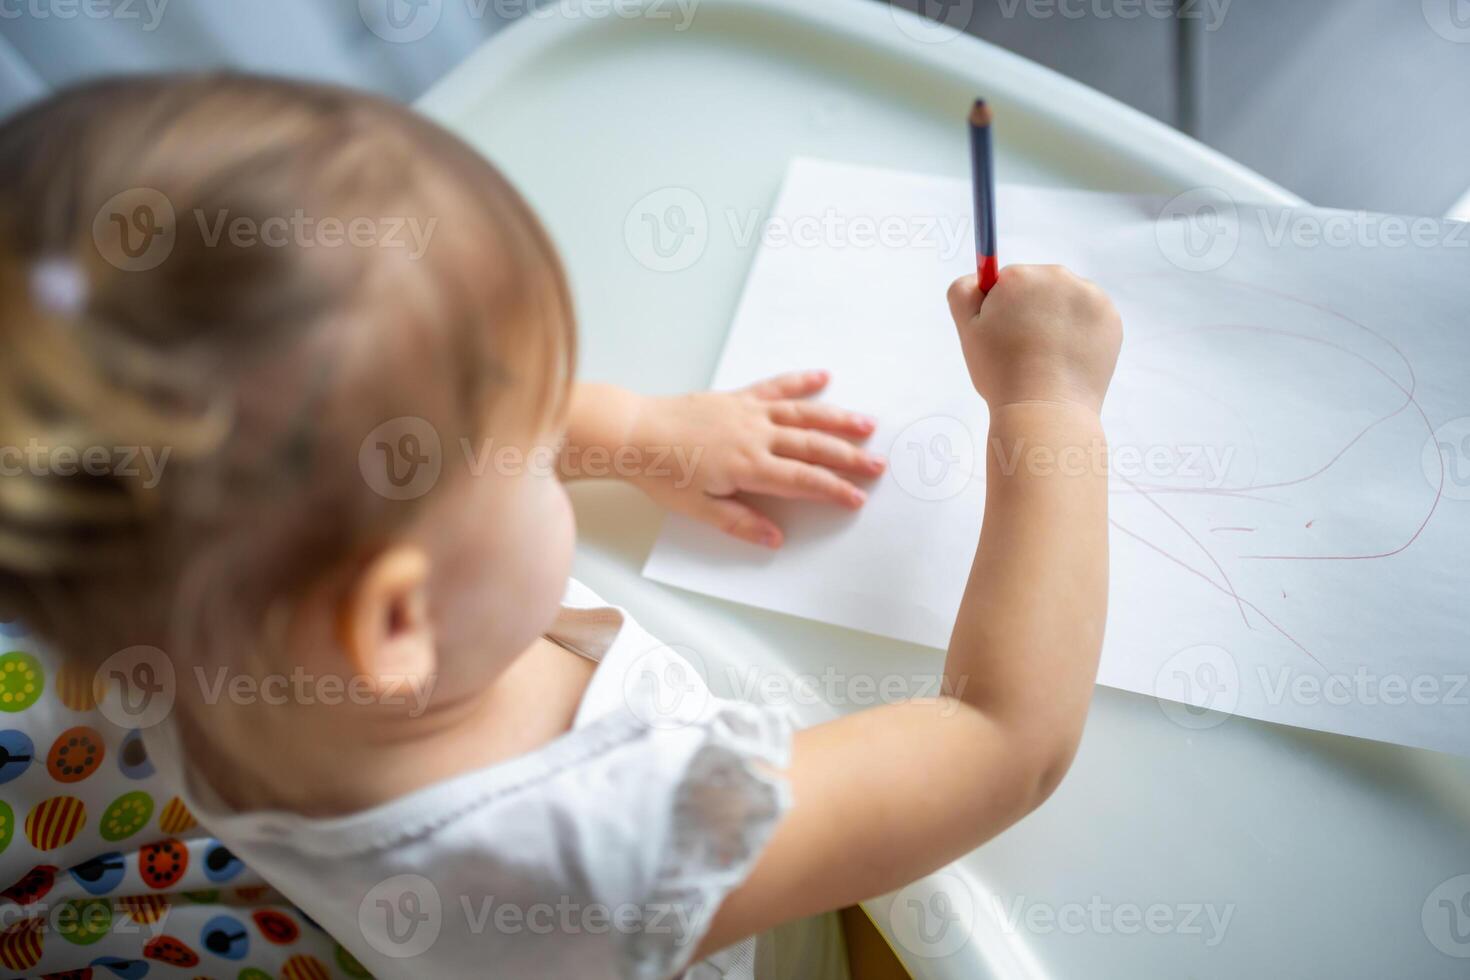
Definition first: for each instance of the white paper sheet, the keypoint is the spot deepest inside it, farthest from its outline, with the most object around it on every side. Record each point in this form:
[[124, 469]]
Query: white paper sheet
[[1289, 425]]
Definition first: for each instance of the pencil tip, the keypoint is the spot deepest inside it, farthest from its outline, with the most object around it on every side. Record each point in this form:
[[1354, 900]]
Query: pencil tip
[[981, 114]]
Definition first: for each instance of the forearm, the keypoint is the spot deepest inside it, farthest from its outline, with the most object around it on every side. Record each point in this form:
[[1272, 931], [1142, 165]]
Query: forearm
[[1022, 661], [1029, 631], [600, 421]]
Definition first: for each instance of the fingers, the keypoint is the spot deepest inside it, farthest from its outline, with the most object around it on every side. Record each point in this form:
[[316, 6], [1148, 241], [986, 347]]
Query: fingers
[[965, 299], [796, 480], [817, 415], [818, 448], [735, 518], [795, 384], [784, 393]]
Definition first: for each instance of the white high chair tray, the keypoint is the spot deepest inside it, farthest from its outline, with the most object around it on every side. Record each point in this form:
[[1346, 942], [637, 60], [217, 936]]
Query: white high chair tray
[[1330, 857]]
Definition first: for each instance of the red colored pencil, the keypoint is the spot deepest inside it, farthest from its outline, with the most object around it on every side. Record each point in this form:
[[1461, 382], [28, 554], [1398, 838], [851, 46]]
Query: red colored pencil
[[982, 164]]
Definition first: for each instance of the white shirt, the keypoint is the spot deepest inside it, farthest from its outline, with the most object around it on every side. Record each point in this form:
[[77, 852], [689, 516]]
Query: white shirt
[[601, 854]]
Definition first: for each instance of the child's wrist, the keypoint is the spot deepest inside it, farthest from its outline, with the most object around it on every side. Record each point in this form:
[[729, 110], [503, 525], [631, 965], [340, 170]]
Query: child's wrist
[[639, 421], [1048, 381], [602, 420], [1048, 437], [1079, 411]]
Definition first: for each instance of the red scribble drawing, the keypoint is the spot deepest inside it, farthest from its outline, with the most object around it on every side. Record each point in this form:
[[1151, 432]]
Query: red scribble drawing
[[1210, 569]]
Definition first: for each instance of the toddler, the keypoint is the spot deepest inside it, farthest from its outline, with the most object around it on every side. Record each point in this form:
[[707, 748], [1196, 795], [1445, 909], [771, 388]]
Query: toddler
[[202, 267]]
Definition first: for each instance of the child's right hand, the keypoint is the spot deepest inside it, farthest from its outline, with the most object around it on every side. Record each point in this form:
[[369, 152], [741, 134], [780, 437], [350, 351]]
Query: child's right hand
[[1042, 334]]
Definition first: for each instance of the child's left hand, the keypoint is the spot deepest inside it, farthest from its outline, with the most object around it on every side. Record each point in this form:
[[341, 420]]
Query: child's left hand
[[765, 439]]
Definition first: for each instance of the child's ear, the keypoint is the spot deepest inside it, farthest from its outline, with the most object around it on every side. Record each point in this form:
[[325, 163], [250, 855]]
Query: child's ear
[[383, 624]]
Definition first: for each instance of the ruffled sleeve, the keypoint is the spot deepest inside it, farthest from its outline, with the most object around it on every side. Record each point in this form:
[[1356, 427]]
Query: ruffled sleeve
[[704, 784], [721, 813]]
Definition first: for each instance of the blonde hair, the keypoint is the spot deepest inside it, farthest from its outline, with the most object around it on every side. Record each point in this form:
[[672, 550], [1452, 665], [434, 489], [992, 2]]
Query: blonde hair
[[255, 370]]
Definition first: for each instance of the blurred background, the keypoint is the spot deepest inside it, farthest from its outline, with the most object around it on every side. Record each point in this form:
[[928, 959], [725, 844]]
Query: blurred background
[[1361, 104]]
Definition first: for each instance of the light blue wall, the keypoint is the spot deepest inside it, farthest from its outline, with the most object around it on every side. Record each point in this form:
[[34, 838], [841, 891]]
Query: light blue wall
[[49, 43], [1350, 103]]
